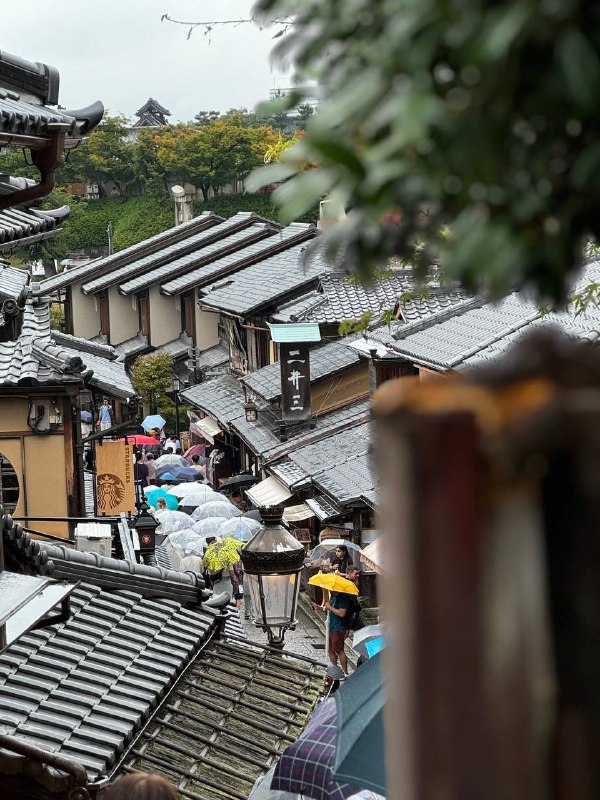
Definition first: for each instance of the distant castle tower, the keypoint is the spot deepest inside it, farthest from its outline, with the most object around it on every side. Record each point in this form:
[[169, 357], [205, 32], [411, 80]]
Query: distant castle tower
[[151, 115]]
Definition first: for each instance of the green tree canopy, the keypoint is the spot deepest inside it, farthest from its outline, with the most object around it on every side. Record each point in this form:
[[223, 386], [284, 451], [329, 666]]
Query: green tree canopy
[[470, 117], [151, 378], [213, 155]]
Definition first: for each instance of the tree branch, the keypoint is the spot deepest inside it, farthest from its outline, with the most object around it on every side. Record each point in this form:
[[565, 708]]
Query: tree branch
[[208, 26]]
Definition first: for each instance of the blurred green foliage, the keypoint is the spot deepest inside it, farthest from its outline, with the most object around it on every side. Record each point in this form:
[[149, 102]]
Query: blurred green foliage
[[474, 115]]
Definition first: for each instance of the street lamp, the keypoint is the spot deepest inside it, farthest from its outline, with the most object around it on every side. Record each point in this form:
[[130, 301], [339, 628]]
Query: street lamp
[[273, 560], [175, 387], [145, 526], [251, 411]]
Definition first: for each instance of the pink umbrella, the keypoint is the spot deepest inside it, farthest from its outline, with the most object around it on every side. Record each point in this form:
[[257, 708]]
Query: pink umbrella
[[195, 450], [139, 438]]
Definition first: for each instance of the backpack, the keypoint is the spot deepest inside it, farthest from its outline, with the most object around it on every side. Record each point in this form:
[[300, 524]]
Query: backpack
[[352, 620]]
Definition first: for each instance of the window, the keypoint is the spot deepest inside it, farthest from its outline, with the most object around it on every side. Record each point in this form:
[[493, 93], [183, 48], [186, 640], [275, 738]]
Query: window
[[188, 315], [9, 485], [144, 314], [104, 313]]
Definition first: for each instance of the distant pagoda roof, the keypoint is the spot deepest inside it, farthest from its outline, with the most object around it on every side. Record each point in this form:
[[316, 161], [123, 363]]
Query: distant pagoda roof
[[151, 114]]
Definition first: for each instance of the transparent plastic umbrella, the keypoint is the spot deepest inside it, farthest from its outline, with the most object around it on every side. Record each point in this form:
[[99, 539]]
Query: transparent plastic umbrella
[[191, 543], [199, 499], [240, 528], [170, 460], [208, 526], [185, 489], [330, 544], [171, 521], [221, 508]]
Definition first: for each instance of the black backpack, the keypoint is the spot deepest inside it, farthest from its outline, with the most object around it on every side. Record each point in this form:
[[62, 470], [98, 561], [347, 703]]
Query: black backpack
[[352, 620]]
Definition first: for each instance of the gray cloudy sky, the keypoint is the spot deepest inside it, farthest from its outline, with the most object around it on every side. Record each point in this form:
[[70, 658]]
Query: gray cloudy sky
[[119, 51]]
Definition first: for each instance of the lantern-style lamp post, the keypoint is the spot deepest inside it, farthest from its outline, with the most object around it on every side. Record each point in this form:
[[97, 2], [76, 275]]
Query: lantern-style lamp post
[[250, 411], [273, 560], [145, 526]]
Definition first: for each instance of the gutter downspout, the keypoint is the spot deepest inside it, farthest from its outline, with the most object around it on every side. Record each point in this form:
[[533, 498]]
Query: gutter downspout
[[47, 161]]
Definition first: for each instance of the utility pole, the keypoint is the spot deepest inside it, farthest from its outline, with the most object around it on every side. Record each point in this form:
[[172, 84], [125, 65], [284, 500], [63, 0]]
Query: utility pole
[[109, 233]]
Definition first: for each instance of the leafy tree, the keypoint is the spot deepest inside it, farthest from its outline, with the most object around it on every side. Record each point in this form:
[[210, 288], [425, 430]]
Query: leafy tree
[[213, 155], [151, 379], [304, 113], [146, 166], [205, 117], [107, 155], [478, 116]]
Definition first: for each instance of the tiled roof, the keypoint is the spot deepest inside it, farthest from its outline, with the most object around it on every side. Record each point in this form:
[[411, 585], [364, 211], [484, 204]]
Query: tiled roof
[[290, 474], [209, 234], [339, 464], [177, 347], [221, 398], [265, 284], [108, 375], [19, 117], [341, 297], [33, 357], [131, 347], [325, 360], [282, 240], [213, 357], [137, 678], [219, 245], [12, 281], [102, 265], [84, 345], [27, 225]]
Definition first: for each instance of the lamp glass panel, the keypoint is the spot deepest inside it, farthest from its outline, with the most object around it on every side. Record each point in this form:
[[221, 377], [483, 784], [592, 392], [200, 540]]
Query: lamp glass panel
[[281, 597]]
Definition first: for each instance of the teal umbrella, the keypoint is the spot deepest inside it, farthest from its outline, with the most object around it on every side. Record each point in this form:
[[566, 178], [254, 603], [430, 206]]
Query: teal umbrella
[[359, 758]]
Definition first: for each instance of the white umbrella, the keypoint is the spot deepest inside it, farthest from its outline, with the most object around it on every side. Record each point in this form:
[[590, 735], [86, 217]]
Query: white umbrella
[[171, 460], [208, 526], [240, 528], [330, 544], [364, 635], [190, 542], [171, 521], [199, 499], [184, 489], [216, 509]]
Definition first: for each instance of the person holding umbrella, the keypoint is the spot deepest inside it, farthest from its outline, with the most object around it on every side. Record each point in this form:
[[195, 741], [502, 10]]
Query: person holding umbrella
[[336, 609]]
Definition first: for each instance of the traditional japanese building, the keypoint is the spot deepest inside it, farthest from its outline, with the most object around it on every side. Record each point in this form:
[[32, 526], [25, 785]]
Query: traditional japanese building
[[151, 115]]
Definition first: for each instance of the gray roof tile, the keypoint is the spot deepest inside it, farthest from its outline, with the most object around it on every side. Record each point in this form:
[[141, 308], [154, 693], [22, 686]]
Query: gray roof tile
[[341, 297], [282, 240], [266, 283], [131, 277], [18, 224], [102, 265], [204, 258]]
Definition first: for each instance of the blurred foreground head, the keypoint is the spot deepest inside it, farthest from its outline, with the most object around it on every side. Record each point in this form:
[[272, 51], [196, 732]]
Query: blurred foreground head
[[141, 786]]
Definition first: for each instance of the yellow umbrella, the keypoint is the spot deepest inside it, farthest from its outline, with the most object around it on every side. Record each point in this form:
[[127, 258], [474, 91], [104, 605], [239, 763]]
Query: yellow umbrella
[[333, 582]]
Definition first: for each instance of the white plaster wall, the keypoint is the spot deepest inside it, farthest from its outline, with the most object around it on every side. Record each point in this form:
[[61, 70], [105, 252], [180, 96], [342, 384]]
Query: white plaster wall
[[206, 329], [165, 318], [124, 321], [86, 315]]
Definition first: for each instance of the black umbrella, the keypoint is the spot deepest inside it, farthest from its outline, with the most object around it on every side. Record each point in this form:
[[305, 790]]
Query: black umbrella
[[254, 514], [238, 480]]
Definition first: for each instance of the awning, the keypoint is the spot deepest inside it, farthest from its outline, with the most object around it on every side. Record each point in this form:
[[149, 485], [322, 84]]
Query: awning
[[297, 513], [372, 556], [208, 428], [268, 493]]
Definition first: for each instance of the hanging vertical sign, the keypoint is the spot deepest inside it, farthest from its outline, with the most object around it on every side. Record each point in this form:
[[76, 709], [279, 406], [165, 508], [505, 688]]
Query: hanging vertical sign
[[115, 479], [295, 381]]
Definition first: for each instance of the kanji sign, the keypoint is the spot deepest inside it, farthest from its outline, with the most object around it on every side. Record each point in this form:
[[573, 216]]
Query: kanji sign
[[295, 382]]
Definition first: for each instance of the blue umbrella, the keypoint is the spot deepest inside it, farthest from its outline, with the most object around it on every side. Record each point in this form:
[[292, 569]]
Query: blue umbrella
[[86, 416], [153, 421], [359, 757], [167, 476], [184, 473]]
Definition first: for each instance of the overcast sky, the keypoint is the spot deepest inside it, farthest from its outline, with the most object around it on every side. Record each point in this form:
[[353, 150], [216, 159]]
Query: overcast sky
[[120, 52]]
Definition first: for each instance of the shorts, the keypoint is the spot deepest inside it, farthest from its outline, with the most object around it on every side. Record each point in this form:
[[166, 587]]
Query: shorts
[[238, 595], [336, 642]]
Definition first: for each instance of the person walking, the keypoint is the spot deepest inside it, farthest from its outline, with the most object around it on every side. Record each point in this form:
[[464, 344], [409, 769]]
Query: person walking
[[342, 561], [105, 416], [171, 444], [140, 473], [336, 608], [151, 468], [236, 576]]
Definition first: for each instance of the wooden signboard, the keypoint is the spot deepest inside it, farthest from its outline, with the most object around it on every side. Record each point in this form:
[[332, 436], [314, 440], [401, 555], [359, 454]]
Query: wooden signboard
[[295, 382], [115, 479]]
